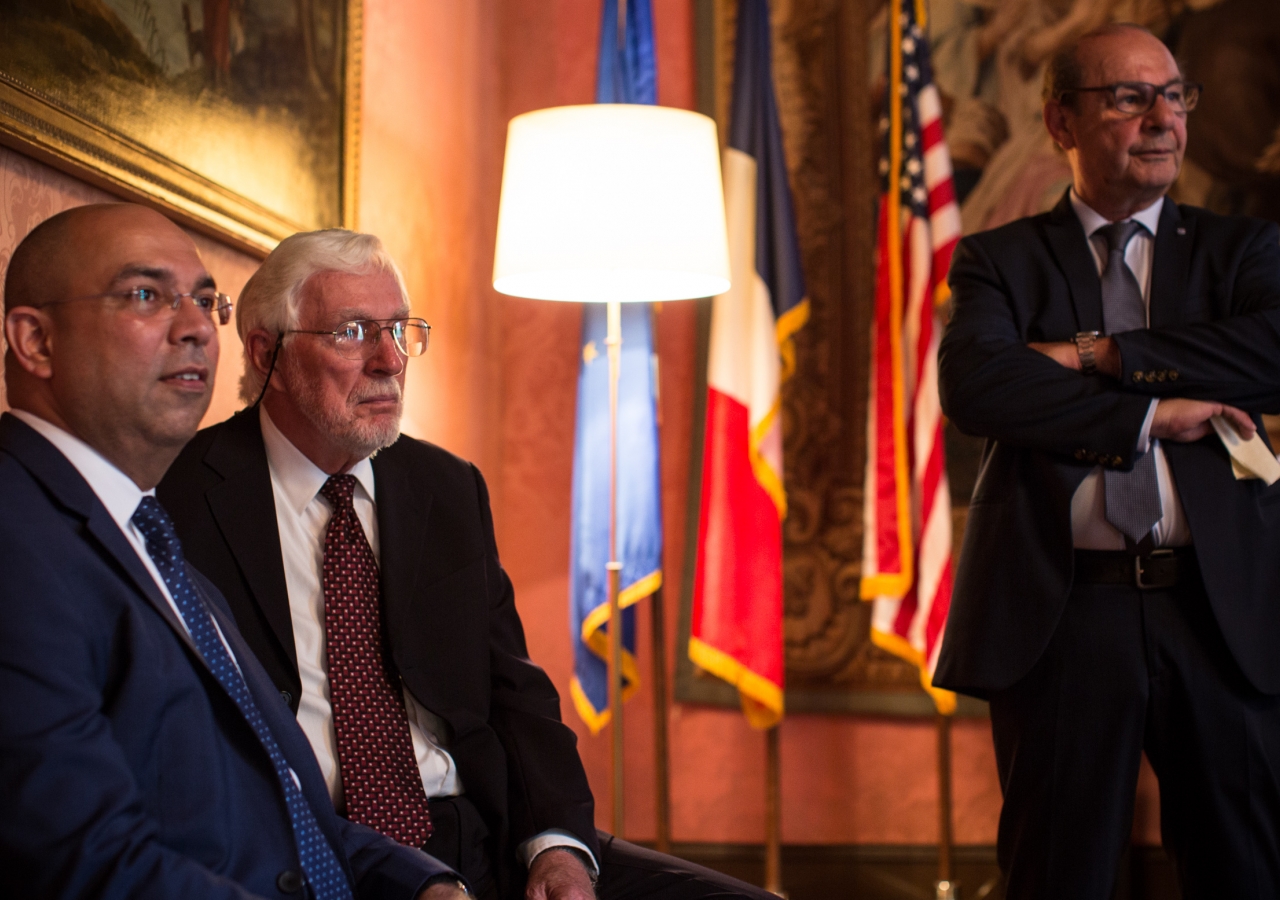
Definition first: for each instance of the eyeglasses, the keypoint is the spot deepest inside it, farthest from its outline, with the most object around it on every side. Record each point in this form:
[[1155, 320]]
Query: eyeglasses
[[359, 339], [148, 301], [1134, 98]]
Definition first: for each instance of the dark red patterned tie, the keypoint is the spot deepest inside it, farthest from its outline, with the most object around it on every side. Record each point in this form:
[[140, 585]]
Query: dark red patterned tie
[[380, 774]]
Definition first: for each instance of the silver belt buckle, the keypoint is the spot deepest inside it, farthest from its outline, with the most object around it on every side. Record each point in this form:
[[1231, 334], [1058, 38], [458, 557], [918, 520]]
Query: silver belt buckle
[[1137, 568]]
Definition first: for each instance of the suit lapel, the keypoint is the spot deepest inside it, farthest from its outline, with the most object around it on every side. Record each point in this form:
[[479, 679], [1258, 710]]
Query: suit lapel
[[1071, 249], [68, 487], [1170, 267], [243, 506], [403, 508]]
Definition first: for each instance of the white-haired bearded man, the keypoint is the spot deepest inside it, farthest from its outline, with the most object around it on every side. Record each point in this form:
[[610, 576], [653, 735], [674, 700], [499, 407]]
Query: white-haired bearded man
[[362, 568]]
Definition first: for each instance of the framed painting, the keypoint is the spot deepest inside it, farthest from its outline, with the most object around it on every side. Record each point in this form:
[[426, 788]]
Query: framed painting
[[240, 118]]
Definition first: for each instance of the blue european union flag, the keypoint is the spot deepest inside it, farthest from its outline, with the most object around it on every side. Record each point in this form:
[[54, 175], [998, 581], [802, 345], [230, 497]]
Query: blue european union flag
[[626, 74]]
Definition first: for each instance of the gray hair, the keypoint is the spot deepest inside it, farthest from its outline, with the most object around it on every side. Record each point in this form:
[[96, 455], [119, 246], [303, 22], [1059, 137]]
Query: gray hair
[[272, 296]]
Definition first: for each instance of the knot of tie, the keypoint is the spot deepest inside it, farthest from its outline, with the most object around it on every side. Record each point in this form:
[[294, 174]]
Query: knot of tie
[[158, 531], [339, 490], [1118, 234]]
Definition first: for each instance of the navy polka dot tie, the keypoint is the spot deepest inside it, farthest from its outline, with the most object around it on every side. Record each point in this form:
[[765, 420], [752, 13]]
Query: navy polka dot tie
[[380, 775], [319, 865]]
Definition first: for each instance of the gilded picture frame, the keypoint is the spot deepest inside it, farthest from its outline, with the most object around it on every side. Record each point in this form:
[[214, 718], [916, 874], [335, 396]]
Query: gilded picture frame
[[238, 118]]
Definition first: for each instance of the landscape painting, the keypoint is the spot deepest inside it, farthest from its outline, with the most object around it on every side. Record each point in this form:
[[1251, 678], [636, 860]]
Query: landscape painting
[[229, 112]]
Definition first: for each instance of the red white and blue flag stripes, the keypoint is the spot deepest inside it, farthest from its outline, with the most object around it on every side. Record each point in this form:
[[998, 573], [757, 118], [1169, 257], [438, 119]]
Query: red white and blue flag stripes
[[737, 604], [906, 560]]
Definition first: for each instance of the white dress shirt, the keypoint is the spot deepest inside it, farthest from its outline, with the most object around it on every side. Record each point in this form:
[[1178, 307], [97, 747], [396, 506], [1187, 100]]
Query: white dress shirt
[[1090, 529], [302, 516]]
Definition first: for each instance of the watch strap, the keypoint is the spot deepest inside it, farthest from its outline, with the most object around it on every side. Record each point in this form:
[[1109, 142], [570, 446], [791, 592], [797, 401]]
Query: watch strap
[[1084, 341]]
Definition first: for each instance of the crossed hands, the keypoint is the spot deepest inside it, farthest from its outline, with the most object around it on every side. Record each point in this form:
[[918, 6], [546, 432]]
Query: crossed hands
[[1177, 418], [558, 874], [554, 875]]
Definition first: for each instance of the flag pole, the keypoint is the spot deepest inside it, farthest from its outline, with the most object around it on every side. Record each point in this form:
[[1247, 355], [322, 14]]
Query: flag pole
[[613, 341], [662, 777], [661, 755], [773, 814], [945, 887]]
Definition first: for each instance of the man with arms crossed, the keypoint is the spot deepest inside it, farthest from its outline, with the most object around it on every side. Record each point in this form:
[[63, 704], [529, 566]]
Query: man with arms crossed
[[362, 568], [143, 751], [1118, 588]]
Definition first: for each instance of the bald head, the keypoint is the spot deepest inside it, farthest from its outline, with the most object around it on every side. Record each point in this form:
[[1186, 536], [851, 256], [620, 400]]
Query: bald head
[[93, 346], [42, 264]]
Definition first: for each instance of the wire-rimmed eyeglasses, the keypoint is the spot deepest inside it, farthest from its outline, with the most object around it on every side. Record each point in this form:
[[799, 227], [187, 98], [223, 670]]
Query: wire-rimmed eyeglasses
[[1134, 98], [359, 338], [146, 302]]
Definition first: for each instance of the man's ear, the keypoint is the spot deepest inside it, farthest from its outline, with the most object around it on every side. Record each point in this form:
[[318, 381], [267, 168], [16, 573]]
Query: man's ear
[[259, 345], [1056, 119], [29, 332]]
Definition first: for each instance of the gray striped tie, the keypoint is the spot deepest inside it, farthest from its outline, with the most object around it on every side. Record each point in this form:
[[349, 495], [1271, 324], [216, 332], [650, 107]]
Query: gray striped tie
[[1133, 497]]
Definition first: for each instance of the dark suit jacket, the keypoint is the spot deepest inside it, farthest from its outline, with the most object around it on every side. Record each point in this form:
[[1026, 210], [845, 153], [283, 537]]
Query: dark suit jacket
[[450, 613], [1214, 335], [125, 770]]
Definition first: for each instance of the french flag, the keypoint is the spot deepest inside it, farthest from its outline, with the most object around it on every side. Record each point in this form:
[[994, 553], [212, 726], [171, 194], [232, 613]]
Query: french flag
[[737, 604]]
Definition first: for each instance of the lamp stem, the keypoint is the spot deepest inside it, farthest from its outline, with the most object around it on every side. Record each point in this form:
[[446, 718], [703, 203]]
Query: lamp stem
[[613, 342]]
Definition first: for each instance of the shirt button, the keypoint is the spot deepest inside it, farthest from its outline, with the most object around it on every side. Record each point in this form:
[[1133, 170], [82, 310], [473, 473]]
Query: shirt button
[[289, 882], [287, 698]]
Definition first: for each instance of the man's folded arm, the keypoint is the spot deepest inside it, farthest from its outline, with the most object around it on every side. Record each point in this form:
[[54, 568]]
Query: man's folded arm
[[1233, 360], [993, 385]]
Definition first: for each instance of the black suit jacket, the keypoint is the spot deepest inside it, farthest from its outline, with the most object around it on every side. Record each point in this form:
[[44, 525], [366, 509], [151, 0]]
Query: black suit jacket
[[125, 769], [450, 613], [1214, 335]]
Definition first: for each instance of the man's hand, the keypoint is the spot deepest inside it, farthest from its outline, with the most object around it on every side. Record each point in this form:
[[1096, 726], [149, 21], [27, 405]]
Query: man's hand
[[558, 874], [443, 890], [1105, 354], [1183, 421]]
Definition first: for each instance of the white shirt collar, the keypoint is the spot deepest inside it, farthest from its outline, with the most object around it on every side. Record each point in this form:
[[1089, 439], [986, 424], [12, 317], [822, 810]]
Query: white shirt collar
[[1092, 220], [117, 491], [299, 478]]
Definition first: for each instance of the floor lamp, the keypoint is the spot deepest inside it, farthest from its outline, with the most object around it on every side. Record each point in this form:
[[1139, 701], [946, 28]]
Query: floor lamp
[[612, 203]]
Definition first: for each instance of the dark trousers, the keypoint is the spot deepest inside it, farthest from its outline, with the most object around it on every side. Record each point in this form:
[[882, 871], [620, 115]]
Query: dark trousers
[[627, 871], [1130, 670]]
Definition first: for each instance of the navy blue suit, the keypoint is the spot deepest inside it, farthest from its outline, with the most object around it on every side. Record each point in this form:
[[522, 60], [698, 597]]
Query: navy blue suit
[[125, 770], [1086, 674]]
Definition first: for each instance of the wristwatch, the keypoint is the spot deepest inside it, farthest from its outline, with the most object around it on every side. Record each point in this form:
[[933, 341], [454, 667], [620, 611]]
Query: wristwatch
[[448, 879], [1084, 347]]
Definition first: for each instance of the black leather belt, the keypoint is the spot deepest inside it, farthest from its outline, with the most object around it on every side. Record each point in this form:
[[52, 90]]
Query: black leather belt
[[1163, 568]]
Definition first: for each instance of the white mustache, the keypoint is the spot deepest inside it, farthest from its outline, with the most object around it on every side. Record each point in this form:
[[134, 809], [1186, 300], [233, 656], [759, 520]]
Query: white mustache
[[377, 390]]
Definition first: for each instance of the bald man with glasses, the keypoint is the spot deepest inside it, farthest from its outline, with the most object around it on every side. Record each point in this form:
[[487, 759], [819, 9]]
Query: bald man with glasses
[[144, 753], [1118, 590]]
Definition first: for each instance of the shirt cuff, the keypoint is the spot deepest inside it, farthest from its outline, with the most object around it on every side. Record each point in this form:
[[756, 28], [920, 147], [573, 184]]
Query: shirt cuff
[[555, 837], [1144, 436]]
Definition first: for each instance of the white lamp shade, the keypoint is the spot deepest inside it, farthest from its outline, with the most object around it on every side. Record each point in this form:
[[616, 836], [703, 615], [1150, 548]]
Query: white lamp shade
[[611, 202]]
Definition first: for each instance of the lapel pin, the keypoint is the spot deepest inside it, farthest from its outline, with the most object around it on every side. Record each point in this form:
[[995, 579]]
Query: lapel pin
[[1181, 230]]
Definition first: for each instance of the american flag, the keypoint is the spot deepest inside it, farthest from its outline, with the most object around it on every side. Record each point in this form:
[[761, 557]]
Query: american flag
[[906, 556]]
